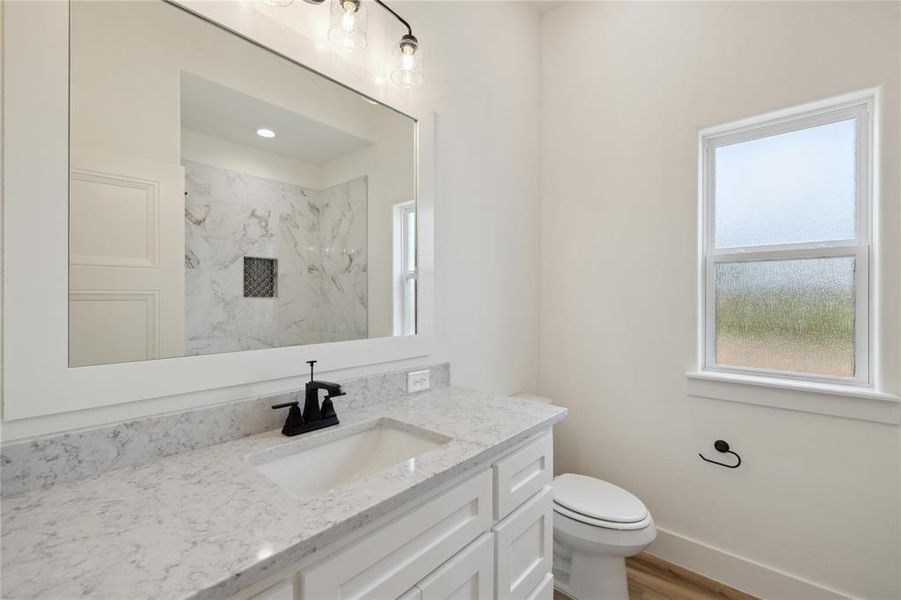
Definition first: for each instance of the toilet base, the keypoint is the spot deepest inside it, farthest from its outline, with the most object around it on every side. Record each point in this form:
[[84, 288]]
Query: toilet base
[[589, 576]]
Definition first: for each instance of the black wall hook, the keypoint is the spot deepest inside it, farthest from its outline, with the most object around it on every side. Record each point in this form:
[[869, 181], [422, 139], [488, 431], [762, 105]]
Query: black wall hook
[[723, 446]]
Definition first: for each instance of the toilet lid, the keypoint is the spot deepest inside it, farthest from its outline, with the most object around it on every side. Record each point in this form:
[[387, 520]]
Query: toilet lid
[[598, 499], [559, 509]]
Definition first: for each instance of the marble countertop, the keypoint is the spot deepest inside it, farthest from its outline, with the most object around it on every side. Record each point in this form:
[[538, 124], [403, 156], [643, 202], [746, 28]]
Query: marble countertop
[[206, 523]]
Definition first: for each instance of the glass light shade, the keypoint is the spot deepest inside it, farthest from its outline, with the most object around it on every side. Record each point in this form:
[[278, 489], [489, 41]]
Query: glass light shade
[[408, 71], [347, 29]]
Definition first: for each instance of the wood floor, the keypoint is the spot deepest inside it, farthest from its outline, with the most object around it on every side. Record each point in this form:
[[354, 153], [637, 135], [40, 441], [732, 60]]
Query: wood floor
[[651, 578]]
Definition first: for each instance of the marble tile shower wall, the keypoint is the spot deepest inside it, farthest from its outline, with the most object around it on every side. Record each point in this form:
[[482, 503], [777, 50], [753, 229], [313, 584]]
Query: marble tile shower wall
[[324, 290], [318, 237]]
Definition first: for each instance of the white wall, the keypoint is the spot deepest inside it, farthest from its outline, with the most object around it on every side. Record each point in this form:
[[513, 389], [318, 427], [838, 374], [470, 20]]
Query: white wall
[[142, 118], [210, 150], [481, 78], [625, 89]]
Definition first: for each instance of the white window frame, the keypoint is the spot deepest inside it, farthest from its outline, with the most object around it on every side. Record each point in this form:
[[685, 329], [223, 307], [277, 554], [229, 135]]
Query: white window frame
[[403, 271], [861, 108]]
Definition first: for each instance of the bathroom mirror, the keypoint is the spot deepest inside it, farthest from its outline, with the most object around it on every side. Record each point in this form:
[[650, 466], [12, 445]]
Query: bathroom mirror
[[224, 198]]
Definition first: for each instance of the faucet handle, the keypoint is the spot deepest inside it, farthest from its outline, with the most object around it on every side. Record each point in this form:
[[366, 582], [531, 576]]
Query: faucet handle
[[328, 409], [295, 419], [286, 405]]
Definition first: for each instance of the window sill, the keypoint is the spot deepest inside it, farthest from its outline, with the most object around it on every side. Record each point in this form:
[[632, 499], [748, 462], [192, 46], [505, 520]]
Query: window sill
[[819, 398]]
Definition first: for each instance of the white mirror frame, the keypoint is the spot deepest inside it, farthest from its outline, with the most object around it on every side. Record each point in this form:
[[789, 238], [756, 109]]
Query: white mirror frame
[[37, 379]]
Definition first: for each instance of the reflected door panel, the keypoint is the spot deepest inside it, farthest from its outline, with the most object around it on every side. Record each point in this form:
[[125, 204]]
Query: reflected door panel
[[126, 274]]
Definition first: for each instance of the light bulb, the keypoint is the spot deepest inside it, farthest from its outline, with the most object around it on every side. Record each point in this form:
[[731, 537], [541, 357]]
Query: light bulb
[[347, 22], [347, 29], [408, 72]]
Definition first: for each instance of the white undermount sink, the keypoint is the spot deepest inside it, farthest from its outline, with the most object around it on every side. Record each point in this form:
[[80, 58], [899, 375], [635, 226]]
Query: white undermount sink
[[307, 470]]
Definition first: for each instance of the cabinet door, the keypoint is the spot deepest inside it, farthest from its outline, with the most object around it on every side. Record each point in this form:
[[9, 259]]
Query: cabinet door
[[524, 546], [469, 575]]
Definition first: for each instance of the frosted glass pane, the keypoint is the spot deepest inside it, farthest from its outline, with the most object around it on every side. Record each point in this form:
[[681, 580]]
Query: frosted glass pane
[[409, 306], [410, 240], [793, 187], [786, 315]]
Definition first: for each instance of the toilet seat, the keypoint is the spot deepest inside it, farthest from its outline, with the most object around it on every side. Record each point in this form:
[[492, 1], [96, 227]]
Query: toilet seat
[[598, 503], [562, 510]]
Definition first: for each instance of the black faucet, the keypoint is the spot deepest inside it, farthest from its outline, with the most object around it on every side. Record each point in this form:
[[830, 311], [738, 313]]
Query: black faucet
[[314, 416]]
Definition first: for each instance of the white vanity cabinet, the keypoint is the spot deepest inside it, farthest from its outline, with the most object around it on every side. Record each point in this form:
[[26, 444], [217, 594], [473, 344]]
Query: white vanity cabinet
[[487, 537], [469, 575], [393, 558]]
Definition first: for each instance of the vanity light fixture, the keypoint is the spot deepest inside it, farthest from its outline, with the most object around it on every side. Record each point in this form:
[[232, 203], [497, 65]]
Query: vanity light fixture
[[408, 71], [347, 31], [265, 133]]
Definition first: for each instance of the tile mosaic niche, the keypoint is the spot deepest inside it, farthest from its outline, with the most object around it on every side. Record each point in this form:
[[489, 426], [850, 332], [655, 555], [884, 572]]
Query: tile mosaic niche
[[318, 237]]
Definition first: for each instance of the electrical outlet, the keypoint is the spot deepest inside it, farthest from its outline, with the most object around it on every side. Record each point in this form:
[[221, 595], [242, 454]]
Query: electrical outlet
[[418, 381]]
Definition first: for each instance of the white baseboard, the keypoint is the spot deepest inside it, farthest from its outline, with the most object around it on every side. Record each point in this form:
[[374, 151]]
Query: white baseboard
[[743, 574]]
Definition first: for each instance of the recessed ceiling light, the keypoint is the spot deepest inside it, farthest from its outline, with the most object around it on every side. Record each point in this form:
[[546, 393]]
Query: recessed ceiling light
[[265, 133]]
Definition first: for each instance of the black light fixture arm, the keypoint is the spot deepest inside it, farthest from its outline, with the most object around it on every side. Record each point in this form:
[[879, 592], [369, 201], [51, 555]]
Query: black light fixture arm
[[397, 16]]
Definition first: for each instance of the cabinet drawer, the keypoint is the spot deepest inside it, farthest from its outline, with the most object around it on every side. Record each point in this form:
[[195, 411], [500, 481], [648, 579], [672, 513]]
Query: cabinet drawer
[[523, 473], [391, 560], [524, 546], [467, 576]]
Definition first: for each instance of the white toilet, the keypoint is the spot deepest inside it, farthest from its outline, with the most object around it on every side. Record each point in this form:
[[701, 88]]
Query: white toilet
[[596, 526]]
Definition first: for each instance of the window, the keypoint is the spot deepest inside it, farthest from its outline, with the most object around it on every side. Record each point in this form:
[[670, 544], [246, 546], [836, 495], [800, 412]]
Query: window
[[405, 274], [786, 245]]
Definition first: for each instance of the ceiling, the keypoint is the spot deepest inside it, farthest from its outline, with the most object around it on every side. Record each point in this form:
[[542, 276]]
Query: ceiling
[[219, 111]]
